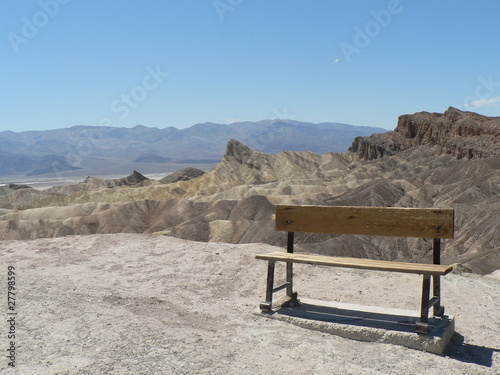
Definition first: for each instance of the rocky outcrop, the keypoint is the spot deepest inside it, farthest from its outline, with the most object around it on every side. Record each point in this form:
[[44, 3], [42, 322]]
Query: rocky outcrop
[[464, 135], [184, 174], [375, 146], [133, 179], [9, 188]]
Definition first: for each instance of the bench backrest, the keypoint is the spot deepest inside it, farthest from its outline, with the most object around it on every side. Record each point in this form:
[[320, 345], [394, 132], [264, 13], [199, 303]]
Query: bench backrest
[[376, 221]]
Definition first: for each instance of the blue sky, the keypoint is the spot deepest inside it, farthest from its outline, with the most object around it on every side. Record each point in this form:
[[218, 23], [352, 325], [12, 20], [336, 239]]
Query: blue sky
[[177, 63]]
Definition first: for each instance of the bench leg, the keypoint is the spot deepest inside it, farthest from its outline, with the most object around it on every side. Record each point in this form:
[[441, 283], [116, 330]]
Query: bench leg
[[423, 325], [266, 306], [293, 297], [289, 279], [436, 286], [289, 266], [436, 280]]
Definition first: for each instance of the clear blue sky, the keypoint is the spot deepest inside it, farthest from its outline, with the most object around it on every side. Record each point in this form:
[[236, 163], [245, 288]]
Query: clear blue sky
[[176, 63]]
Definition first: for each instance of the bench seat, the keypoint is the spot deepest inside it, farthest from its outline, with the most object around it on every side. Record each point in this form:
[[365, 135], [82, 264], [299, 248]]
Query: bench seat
[[369, 264]]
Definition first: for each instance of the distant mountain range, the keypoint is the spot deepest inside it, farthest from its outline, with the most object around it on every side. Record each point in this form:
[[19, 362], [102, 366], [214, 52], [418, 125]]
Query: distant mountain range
[[90, 150]]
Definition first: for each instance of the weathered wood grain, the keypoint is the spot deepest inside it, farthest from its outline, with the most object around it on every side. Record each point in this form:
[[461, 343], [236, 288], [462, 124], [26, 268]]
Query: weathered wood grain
[[378, 221], [378, 265]]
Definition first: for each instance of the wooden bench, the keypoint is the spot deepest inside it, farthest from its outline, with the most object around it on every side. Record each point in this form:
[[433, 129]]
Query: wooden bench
[[374, 221]]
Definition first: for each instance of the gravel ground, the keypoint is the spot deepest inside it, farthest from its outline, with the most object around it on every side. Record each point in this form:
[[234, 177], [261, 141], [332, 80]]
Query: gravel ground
[[137, 304]]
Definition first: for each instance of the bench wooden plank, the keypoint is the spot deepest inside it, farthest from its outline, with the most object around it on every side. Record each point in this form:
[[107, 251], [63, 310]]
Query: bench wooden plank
[[379, 221], [379, 265]]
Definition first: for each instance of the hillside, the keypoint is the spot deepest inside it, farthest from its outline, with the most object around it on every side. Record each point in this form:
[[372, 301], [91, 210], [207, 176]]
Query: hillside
[[12, 164]]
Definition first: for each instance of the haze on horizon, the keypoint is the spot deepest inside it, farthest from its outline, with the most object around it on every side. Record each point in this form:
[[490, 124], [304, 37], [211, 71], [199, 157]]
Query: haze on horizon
[[165, 63]]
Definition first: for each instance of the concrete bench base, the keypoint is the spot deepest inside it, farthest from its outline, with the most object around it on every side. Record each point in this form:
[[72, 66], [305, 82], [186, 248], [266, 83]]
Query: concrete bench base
[[367, 323]]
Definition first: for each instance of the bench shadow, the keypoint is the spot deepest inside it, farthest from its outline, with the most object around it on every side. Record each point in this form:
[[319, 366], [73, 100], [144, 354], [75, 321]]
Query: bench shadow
[[456, 349], [478, 355], [364, 318]]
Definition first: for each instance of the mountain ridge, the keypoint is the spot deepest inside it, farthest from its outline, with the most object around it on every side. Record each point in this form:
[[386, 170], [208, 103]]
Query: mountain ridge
[[95, 149]]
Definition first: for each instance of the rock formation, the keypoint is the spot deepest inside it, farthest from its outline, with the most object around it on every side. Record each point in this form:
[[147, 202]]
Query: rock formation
[[184, 174], [464, 135], [9, 188], [133, 179]]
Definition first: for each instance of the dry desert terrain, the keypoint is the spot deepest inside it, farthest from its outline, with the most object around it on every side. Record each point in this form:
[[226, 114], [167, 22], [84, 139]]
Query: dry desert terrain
[[145, 304]]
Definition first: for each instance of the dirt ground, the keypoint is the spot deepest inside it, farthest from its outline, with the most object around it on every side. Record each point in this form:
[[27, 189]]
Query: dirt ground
[[138, 304]]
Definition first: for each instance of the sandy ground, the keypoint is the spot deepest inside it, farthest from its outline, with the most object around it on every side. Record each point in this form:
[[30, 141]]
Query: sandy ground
[[136, 304]]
